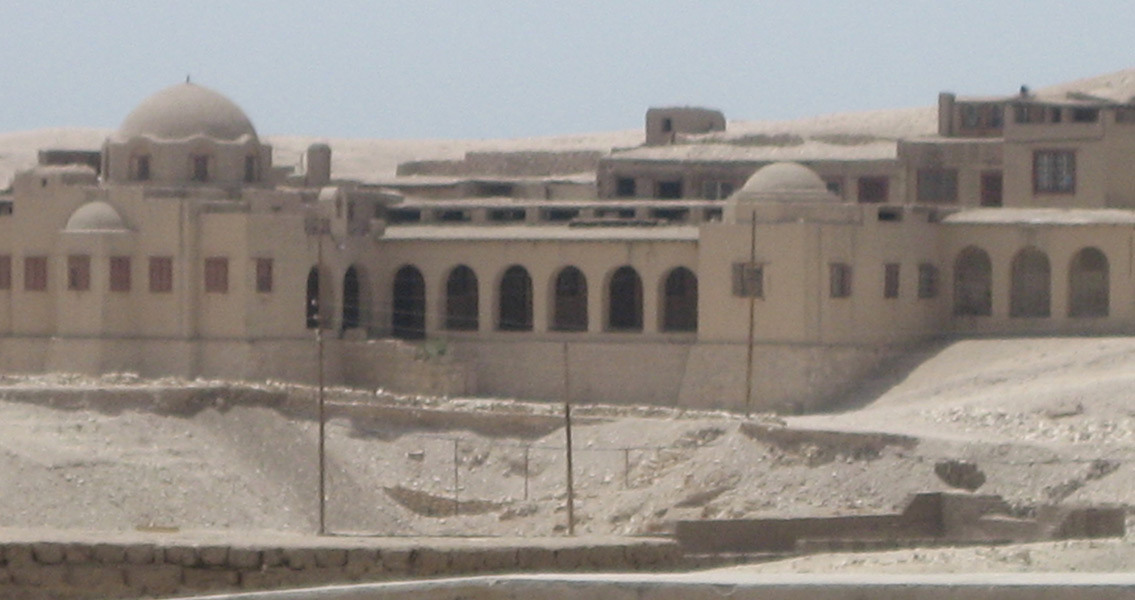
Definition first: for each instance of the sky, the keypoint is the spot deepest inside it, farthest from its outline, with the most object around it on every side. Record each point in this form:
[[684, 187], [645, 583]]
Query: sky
[[472, 69]]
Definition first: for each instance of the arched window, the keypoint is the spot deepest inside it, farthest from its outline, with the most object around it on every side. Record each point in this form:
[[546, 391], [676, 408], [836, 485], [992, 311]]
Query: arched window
[[408, 319], [311, 305], [570, 310], [461, 299], [515, 310], [973, 283], [1088, 284], [625, 301], [1031, 278], [351, 302], [680, 301]]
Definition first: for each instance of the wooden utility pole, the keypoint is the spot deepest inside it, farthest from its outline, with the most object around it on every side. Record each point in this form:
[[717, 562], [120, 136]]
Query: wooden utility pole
[[567, 433]]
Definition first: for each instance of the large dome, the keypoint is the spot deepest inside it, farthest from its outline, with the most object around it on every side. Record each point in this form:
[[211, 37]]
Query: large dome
[[95, 216], [186, 110], [785, 182]]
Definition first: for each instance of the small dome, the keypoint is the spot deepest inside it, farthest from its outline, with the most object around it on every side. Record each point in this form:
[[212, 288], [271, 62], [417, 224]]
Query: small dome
[[785, 182], [95, 216], [186, 110]]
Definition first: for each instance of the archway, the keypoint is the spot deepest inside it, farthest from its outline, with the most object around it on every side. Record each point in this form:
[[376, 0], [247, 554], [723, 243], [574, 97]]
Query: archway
[[515, 309], [570, 310], [625, 300], [680, 298], [1089, 285], [973, 287], [461, 299], [351, 302], [1029, 296], [408, 318]]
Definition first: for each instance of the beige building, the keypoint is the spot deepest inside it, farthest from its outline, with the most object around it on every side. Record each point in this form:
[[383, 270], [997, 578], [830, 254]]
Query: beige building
[[700, 275]]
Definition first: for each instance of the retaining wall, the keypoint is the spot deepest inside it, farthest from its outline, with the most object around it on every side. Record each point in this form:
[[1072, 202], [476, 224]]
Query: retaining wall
[[61, 569]]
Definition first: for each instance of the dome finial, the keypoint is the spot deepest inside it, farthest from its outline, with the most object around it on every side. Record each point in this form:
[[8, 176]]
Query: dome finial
[[187, 78]]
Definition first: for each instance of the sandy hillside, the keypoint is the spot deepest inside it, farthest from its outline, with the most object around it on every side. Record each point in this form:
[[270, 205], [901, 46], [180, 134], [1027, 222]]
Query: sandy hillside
[[1045, 420]]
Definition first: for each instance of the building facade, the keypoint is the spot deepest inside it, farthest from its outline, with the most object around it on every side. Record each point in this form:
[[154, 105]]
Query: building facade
[[704, 275]]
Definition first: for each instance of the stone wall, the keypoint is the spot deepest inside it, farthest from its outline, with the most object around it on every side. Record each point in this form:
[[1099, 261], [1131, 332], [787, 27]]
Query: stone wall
[[60, 569]]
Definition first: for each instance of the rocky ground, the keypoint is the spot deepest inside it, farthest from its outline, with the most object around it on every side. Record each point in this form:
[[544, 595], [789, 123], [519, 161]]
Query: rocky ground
[[1041, 421]]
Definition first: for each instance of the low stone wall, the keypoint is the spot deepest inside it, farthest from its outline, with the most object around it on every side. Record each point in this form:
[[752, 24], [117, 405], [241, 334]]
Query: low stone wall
[[61, 569], [507, 164], [739, 586]]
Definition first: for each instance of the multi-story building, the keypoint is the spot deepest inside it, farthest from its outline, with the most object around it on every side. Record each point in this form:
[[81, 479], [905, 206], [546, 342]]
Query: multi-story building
[[702, 274]]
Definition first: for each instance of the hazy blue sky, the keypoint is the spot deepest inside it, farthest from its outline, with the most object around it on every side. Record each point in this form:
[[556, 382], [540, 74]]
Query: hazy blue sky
[[498, 68]]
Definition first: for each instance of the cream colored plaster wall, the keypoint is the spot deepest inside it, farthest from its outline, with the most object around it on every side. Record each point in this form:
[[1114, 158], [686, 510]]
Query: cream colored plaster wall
[[1060, 244]]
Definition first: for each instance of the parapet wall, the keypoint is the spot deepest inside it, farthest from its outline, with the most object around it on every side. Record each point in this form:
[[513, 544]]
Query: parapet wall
[[78, 570], [507, 164]]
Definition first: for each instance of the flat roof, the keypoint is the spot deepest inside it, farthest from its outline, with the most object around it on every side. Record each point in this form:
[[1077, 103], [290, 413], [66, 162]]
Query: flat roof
[[1042, 216], [808, 150], [488, 233]]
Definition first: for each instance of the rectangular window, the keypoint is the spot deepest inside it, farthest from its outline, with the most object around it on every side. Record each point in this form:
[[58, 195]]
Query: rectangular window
[[840, 280], [1054, 172], [927, 281], [938, 186], [79, 272], [1028, 113], [872, 189], [264, 275], [35, 273], [249, 169], [669, 190], [140, 168], [216, 275], [120, 273], [625, 187], [991, 188], [5, 272], [716, 190], [161, 274], [200, 166], [1085, 115], [748, 280], [834, 186], [891, 280]]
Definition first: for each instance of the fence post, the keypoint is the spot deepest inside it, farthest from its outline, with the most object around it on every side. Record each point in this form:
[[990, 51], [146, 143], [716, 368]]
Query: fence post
[[456, 482], [627, 468], [526, 471]]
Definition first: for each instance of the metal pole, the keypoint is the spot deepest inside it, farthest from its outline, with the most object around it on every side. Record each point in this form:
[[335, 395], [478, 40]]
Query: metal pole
[[626, 468], [567, 433], [456, 483], [322, 415], [752, 316], [526, 472]]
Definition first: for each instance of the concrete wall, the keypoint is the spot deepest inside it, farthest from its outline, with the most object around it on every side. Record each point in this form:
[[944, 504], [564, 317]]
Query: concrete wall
[[159, 565], [507, 164]]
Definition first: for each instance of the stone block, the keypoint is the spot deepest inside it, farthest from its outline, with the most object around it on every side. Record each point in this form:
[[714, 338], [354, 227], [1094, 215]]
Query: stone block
[[38, 575], [244, 558], [568, 559], [270, 578], [100, 578], [142, 554], [464, 561], [213, 556], [499, 559], [330, 557], [77, 554], [111, 554], [210, 579], [535, 559], [299, 558], [48, 553], [19, 555], [184, 556], [5, 575], [396, 562], [427, 561], [155, 580], [272, 557], [361, 561]]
